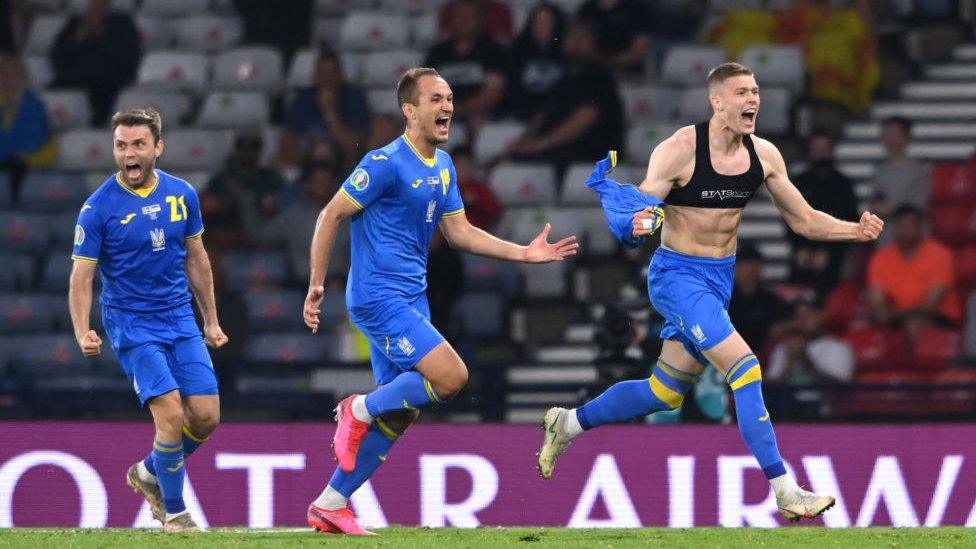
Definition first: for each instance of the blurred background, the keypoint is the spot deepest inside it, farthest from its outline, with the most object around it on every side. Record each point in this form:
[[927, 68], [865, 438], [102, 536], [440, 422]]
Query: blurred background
[[267, 105]]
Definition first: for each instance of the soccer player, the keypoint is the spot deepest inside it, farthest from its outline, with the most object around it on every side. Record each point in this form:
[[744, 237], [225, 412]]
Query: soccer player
[[143, 229], [396, 197], [704, 175]]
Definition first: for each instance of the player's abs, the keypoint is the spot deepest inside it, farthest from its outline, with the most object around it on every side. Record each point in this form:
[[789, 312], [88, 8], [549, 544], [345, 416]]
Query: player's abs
[[701, 232]]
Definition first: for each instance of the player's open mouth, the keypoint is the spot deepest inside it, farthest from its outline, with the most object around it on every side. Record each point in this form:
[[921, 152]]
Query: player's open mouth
[[134, 171], [749, 116], [442, 122]]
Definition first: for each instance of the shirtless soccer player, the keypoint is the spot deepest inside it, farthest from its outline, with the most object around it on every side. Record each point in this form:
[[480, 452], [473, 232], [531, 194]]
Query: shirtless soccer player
[[395, 199], [704, 175]]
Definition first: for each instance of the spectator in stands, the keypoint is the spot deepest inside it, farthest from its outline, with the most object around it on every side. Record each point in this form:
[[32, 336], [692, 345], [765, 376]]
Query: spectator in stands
[[480, 203], [914, 277], [331, 110], [807, 353], [284, 25], [241, 183], [473, 64], [583, 117], [234, 322], [812, 263], [496, 22], [12, 25], [622, 30], [98, 50], [384, 128], [537, 59], [24, 128], [900, 179], [758, 313]]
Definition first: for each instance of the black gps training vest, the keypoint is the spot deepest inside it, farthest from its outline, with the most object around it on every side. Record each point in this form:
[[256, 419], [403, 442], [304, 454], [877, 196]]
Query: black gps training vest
[[709, 189]]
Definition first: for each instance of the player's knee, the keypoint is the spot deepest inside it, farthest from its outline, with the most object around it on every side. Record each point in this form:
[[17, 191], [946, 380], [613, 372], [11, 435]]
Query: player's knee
[[168, 416], [205, 422], [454, 382], [400, 420]]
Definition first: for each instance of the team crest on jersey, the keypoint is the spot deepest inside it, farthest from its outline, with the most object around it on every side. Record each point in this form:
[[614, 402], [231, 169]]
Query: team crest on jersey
[[158, 238], [359, 179], [405, 346], [699, 334], [431, 207], [152, 211], [79, 235]]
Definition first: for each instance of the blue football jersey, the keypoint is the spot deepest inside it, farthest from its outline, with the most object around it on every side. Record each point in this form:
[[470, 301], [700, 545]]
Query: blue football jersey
[[138, 238], [401, 196]]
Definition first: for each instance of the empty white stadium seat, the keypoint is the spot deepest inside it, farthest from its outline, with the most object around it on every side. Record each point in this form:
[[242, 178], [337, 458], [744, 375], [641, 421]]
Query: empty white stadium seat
[[342, 7], [86, 150], [67, 108], [156, 32], [495, 138], [598, 238], [649, 102], [524, 184], [196, 149], [174, 70], [776, 65], [383, 69], [208, 33], [383, 101], [172, 105], [252, 68], [233, 109], [694, 105], [775, 111], [576, 193], [43, 31], [173, 8], [40, 71], [546, 280], [374, 31], [424, 29], [326, 29], [642, 139], [689, 65], [301, 72]]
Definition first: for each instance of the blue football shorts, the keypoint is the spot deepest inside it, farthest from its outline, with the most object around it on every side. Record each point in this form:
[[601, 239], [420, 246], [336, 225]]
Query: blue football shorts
[[400, 335], [692, 294], [161, 351]]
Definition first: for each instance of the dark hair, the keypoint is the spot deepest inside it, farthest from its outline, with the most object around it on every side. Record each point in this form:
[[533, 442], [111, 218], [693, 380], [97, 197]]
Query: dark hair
[[727, 70], [907, 210], [526, 44], [407, 86], [900, 121], [140, 117]]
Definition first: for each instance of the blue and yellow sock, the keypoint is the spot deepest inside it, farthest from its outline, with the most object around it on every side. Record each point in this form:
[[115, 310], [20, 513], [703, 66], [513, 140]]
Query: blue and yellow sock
[[745, 379], [407, 391], [170, 472], [372, 453], [190, 444], [664, 390]]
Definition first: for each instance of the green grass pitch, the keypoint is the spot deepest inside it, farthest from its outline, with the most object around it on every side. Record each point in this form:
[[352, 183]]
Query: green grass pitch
[[528, 538]]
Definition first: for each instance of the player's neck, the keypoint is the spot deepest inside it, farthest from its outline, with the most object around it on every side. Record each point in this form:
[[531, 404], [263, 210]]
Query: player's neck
[[146, 183], [421, 145], [723, 138]]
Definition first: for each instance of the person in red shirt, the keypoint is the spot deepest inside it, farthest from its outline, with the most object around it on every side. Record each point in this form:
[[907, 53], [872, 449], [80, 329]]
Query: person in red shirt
[[913, 277], [480, 203]]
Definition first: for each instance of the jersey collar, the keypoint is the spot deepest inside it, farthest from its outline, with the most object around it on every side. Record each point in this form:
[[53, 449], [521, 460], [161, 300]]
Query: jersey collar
[[142, 192], [429, 162]]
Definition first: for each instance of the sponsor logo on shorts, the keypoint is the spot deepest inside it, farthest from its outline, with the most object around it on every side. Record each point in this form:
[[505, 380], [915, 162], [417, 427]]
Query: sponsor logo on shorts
[[699, 334], [79, 235], [359, 179], [405, 346], [726, 193]]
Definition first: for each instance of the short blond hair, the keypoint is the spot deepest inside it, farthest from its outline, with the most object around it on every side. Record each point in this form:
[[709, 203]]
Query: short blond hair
[[727, 70]]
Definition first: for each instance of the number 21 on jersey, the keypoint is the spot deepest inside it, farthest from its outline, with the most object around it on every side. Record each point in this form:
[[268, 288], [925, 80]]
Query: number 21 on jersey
[[177, 207]]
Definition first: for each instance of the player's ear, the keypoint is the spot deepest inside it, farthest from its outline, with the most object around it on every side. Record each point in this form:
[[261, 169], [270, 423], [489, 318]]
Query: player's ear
[[409, 111], [160, 145]]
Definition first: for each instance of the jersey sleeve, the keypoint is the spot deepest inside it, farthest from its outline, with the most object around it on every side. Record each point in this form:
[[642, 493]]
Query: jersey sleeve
[[88, 235], [453, 205], [374, 175], [194, 220]]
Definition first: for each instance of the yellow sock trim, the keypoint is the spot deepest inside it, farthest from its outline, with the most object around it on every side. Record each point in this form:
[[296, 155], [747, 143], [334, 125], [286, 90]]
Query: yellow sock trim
[[387, 430], [677, 374], [189, 434], [738, 364], [159, 447], [430, 391], [753, 375], [666, 394]]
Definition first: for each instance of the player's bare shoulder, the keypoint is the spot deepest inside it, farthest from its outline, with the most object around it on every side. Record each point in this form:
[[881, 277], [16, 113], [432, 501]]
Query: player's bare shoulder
[[674, 158], [770, 156]]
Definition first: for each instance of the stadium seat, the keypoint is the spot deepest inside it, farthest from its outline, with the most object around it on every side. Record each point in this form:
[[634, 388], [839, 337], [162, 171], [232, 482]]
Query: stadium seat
[[693, 106], [383, 101], [546, 280], [842, 306], [275, 310], [53, 192], [67, 108], [689, 65], [208, 33], [249, 68], [234, 109], [174, 71], [776, 65], [48, 355], [301, 72], [523, 184], [23, 233], [599, 241], [648, 103], [255, 270], [195, 149], [174, 8], [964, 379], [494, 139], [342, 7], [574, 190], [483, 274], [86, 150], [877, 350], [156, 32], [935, 348], [411, 6], [17, 274], [423, 30], [952, 184], [966, 267], [383, 69], [641, 139], [43, 31], [40, 70], [173, 106], [480, 315], [326, 29], [79, 6], [954, 225], [374, 31], [291, 348], [57, 270], [24, 313], [775, 112]]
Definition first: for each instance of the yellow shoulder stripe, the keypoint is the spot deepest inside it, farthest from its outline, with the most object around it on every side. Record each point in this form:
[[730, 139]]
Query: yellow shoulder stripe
[[452, 214], [83, 258], [349, 197]]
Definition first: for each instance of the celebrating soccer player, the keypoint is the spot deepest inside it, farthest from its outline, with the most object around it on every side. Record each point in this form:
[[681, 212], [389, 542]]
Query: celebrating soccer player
[[698, 182], [396, 197], [143, 228]]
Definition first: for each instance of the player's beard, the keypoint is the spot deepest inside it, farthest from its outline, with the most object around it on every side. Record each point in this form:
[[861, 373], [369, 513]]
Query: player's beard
[[138, 178]]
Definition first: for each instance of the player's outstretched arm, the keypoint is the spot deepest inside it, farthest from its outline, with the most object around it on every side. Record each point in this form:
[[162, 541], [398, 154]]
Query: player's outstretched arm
[[336, 211], [199, 272], [461, 234], [800, 216], [79, 304]]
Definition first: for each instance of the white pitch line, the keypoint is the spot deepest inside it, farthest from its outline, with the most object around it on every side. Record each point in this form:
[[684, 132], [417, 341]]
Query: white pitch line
[[267, 530]]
